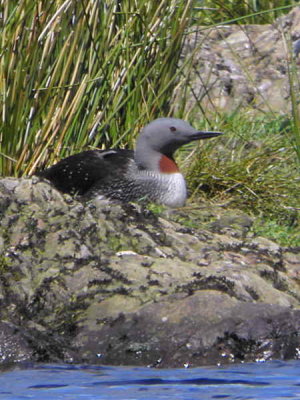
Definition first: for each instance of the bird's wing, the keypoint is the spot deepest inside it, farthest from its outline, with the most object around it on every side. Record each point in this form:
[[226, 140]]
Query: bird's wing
[[78, 173]]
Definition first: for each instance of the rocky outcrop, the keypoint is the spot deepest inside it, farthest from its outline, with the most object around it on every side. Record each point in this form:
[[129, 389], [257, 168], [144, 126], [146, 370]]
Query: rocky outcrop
[[244, 66], [116, 284]]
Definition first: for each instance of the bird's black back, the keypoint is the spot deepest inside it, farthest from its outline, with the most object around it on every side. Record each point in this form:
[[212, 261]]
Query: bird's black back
[[78, 173]]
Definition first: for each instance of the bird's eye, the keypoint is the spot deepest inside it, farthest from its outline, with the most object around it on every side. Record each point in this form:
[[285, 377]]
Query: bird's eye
[[173, 129]]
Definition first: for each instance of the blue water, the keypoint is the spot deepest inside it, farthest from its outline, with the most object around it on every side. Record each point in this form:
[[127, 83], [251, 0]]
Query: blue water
[[271, 380]]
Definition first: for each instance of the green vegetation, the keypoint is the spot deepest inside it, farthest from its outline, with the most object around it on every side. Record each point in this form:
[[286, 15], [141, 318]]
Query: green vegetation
[[253, 168], [78, 75], [284, 234], [245, 11]]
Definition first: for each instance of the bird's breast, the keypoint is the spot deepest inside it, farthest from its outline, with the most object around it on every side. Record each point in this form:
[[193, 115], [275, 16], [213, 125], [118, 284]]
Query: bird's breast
[[175, 193]]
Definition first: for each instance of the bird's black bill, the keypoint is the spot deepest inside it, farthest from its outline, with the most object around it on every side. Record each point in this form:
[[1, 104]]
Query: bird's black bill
[[205, 135]]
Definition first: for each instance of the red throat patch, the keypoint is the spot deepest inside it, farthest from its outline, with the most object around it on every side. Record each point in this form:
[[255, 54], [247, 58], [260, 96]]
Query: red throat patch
[[167, 166]]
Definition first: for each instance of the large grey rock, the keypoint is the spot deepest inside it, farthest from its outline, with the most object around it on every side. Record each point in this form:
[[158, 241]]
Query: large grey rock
[[116, 284], [244, 66]]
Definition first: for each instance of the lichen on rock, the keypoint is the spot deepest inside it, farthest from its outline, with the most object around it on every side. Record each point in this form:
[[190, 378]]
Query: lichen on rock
[[115, 284]]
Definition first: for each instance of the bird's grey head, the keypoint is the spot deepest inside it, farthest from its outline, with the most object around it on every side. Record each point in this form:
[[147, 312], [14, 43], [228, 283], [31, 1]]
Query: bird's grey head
[[166, 135]]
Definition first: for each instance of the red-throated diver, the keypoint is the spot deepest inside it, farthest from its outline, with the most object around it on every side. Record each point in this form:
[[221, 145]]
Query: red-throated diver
[[149, 172]]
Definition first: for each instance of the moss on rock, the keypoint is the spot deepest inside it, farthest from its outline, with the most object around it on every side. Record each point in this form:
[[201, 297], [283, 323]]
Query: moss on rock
[[111, 283]]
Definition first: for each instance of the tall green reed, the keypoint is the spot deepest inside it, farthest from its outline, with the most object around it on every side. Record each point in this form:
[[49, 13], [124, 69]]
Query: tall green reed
[[79, 74]]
